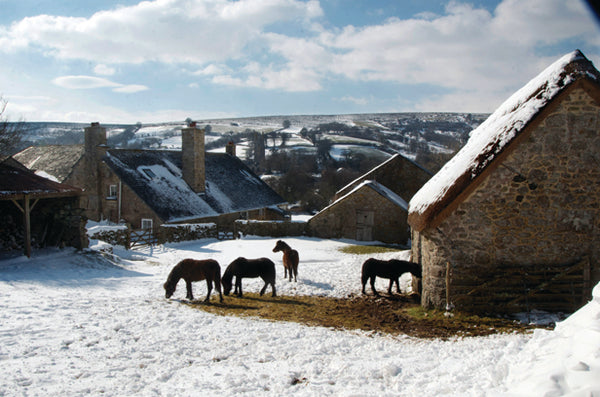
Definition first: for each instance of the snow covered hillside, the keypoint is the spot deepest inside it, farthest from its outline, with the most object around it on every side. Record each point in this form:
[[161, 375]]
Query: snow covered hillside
[[73, 324]]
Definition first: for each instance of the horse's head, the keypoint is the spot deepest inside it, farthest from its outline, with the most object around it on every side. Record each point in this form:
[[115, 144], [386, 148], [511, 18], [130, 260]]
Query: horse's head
[[226, 285], [280, 246], [169, 289]]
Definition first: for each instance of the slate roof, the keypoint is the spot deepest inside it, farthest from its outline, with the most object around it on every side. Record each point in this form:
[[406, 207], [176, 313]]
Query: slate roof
[[55, 160], [15, 183], [494, 136], [230, 185]]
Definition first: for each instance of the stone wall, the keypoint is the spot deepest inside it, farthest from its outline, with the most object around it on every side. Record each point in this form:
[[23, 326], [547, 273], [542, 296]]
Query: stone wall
[[270, 228], [186, 232], [539, 207]]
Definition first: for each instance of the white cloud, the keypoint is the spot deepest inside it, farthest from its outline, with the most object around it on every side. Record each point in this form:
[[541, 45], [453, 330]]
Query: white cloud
[[83, 82], [104, 70], [89, 82]]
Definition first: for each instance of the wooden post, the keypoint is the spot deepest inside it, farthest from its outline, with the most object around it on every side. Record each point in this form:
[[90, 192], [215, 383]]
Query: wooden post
[[448, 305], [587, 283], [27, 227]]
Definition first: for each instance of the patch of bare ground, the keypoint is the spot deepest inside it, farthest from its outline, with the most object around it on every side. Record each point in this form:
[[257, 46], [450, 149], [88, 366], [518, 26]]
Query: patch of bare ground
[[388, 314]]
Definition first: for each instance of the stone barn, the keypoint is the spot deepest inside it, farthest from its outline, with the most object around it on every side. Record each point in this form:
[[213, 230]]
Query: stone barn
[[373, 206], [369, 212], [512, 222]]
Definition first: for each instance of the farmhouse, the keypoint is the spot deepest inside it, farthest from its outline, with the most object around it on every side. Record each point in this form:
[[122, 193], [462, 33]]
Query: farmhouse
[[37, 212], [512, 221], [372, 206], [147, 188]]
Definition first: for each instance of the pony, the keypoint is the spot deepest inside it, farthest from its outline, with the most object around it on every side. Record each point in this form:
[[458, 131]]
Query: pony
[[194, 270], [290, 259], [391, 269], [249, 268]]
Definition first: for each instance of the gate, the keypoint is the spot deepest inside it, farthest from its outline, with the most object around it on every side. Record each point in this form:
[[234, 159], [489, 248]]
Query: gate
[[141, 237]]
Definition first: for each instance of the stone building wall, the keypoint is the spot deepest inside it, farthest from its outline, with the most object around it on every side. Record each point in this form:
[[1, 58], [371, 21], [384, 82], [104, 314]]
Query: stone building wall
[[340, 220], [539, 207], [270, 228]]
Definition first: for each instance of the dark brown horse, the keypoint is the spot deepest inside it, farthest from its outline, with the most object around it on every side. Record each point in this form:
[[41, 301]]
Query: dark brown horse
[[194, 270], [290, 259], [249, 268], [391, 269]]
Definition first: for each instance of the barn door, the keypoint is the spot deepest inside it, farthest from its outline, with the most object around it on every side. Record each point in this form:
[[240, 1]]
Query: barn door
[[364, 225]]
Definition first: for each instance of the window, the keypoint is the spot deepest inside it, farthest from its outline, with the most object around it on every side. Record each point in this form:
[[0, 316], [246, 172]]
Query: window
[[149, 172], [146, 224], [112, 191]]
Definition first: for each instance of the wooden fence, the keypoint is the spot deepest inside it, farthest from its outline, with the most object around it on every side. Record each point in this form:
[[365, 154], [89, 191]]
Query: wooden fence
[[141, 237]]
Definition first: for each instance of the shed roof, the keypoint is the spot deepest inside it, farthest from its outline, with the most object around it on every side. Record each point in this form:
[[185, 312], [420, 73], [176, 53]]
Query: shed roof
[[156, 177], [16, 183], [488, 141]]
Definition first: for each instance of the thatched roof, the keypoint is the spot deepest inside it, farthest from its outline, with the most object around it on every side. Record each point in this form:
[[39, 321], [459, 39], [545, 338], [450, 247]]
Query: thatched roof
[[57, 161], [491, 139]]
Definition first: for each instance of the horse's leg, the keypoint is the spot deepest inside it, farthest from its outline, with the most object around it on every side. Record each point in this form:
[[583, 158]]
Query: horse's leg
[[398, 285], [364, 278], [372, 281], [209, 286], [218, 288], [238, 285], [391, 285], [188, 286], [262, 291], [296, 273], [285, 271], [273, 287]]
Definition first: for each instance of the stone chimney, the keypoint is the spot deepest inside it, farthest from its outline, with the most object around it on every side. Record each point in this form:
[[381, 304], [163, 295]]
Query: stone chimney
[[192, 156], [94, 149], [230, 148]]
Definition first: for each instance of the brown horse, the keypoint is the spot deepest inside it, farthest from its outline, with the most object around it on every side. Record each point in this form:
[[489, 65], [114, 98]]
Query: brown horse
[[249, 268], [290, 259], [391, 269], [194, 270]]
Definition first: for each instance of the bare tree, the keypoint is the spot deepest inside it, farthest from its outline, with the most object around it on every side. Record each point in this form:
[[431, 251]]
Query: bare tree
[[10, 133]]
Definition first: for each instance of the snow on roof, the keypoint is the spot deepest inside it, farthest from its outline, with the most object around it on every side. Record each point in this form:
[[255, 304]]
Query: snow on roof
[[156, 177], [488, 140], [379, 188]]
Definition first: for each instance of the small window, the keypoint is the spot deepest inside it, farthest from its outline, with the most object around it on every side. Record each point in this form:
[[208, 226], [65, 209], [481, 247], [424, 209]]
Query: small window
[[112, 191], [146, 224], [149, 172]]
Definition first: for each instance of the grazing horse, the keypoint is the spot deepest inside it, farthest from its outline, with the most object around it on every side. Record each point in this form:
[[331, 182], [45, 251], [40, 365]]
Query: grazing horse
[[391, 269], [290, 259], [249, 268], [194, 270]]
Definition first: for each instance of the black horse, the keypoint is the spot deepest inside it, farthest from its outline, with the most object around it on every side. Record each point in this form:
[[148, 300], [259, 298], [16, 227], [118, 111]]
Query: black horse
[[249, 268], [194, 270], [391, 269]]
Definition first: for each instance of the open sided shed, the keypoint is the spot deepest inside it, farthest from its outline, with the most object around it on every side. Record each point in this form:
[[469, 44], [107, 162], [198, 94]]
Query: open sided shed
[[38, 212]]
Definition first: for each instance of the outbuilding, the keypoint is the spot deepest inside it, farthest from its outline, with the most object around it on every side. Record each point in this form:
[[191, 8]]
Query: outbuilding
[[512, 222]]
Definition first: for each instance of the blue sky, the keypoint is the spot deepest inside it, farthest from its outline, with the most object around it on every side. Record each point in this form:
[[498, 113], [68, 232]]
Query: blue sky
[[166, 60]]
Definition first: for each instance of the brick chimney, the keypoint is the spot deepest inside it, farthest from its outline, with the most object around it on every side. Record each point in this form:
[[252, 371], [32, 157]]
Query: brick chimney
[[192, 156]]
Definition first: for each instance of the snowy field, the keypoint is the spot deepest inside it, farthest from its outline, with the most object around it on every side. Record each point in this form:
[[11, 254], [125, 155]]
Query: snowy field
[[74, 324]]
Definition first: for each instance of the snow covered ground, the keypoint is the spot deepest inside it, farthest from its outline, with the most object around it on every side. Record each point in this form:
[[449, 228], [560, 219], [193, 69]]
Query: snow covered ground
[[74, 323]]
